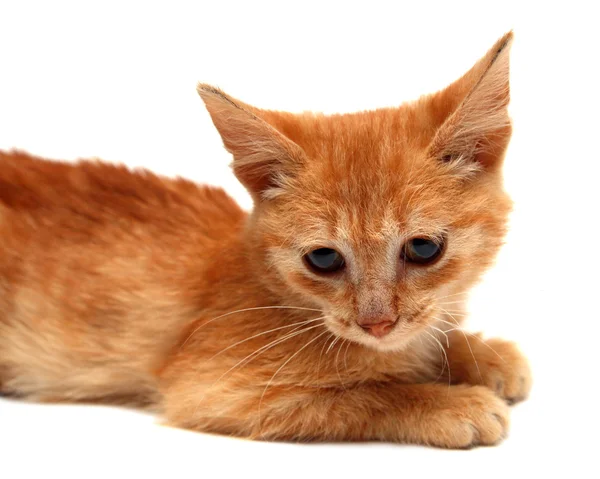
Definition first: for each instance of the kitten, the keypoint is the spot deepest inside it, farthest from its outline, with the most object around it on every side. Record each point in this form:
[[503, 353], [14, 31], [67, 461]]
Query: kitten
[[331, 312]]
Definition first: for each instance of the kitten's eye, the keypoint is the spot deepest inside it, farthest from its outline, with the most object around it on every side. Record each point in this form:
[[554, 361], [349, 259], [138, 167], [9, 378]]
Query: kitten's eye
[[324, 260], [422, 250]]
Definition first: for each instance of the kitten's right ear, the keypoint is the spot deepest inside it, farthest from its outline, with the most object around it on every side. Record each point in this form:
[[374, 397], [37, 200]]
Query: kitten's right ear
[[262, 156]]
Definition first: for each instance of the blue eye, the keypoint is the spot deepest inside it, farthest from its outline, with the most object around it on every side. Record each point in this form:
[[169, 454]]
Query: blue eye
[[324, 260], [422, 250]]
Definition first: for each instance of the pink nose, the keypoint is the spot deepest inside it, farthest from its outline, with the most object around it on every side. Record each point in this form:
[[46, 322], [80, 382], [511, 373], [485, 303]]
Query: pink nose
[[377, 326]]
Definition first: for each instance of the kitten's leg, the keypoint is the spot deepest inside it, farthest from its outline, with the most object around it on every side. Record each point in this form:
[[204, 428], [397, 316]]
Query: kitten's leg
[[494, 363], [434, 414]]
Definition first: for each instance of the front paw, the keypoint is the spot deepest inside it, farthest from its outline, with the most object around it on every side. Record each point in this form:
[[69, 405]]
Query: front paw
[[465, 417], [494, 363]]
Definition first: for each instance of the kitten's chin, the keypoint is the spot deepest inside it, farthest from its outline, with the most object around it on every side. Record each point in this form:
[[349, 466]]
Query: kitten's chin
[[388, 344]]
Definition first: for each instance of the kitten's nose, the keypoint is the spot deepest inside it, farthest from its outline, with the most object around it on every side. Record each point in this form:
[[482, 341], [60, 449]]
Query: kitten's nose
[[377, 325]]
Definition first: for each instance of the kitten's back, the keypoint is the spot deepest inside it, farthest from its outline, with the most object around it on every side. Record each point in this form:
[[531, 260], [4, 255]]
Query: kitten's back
[[93, 189]]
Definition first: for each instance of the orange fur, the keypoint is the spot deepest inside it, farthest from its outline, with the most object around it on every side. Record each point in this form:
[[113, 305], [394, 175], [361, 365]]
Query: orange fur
[[120, 285]]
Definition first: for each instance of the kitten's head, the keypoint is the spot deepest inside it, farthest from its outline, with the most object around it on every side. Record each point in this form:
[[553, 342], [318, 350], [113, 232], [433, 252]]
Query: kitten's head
[[380, 217]]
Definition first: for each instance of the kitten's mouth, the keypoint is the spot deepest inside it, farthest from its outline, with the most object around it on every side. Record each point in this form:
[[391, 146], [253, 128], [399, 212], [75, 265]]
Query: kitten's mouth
[[384, 337], [381, 335]]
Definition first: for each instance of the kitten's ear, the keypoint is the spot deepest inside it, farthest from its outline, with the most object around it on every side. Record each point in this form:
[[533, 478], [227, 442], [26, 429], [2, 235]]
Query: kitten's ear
[[476, 127], [262, 156]]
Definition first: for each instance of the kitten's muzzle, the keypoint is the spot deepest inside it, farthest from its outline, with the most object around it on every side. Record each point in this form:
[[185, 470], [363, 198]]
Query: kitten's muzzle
[[377, 325]]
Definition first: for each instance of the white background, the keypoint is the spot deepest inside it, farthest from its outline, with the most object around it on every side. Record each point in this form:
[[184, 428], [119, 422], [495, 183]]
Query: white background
[[117, 81]]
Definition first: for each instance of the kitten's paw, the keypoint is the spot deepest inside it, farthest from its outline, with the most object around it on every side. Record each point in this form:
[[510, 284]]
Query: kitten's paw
[[507, 371], [494, 363], [469, 416], [504, 369]]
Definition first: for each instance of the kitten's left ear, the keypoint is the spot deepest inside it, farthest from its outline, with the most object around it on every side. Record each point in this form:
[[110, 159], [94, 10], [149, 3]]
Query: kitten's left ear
[[476, 127], [262, 156]]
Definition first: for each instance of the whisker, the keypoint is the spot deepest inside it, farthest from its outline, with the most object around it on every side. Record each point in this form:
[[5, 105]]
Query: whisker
[[482, 341], [446, 322], [253, 355], [242, 311], [346, 357], [266, 332], [264, 349], [458, 328], [332, 344], [460, 312], [337, 356], [469, 345], [444, 358], [462, 301], [488, 346], [320, 357], [455, 294], [444, 333], [280, 368]]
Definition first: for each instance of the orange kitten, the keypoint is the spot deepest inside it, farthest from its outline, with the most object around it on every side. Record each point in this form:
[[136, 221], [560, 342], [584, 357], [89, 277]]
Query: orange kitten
[[330, 312]]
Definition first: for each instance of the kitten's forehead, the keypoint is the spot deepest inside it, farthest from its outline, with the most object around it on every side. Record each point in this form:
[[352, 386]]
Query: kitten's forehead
[[376, 202], [365, 218], [377, 158]]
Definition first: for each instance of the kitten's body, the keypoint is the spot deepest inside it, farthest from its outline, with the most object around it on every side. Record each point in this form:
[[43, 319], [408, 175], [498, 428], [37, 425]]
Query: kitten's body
[[123, 286], [106, 266]]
